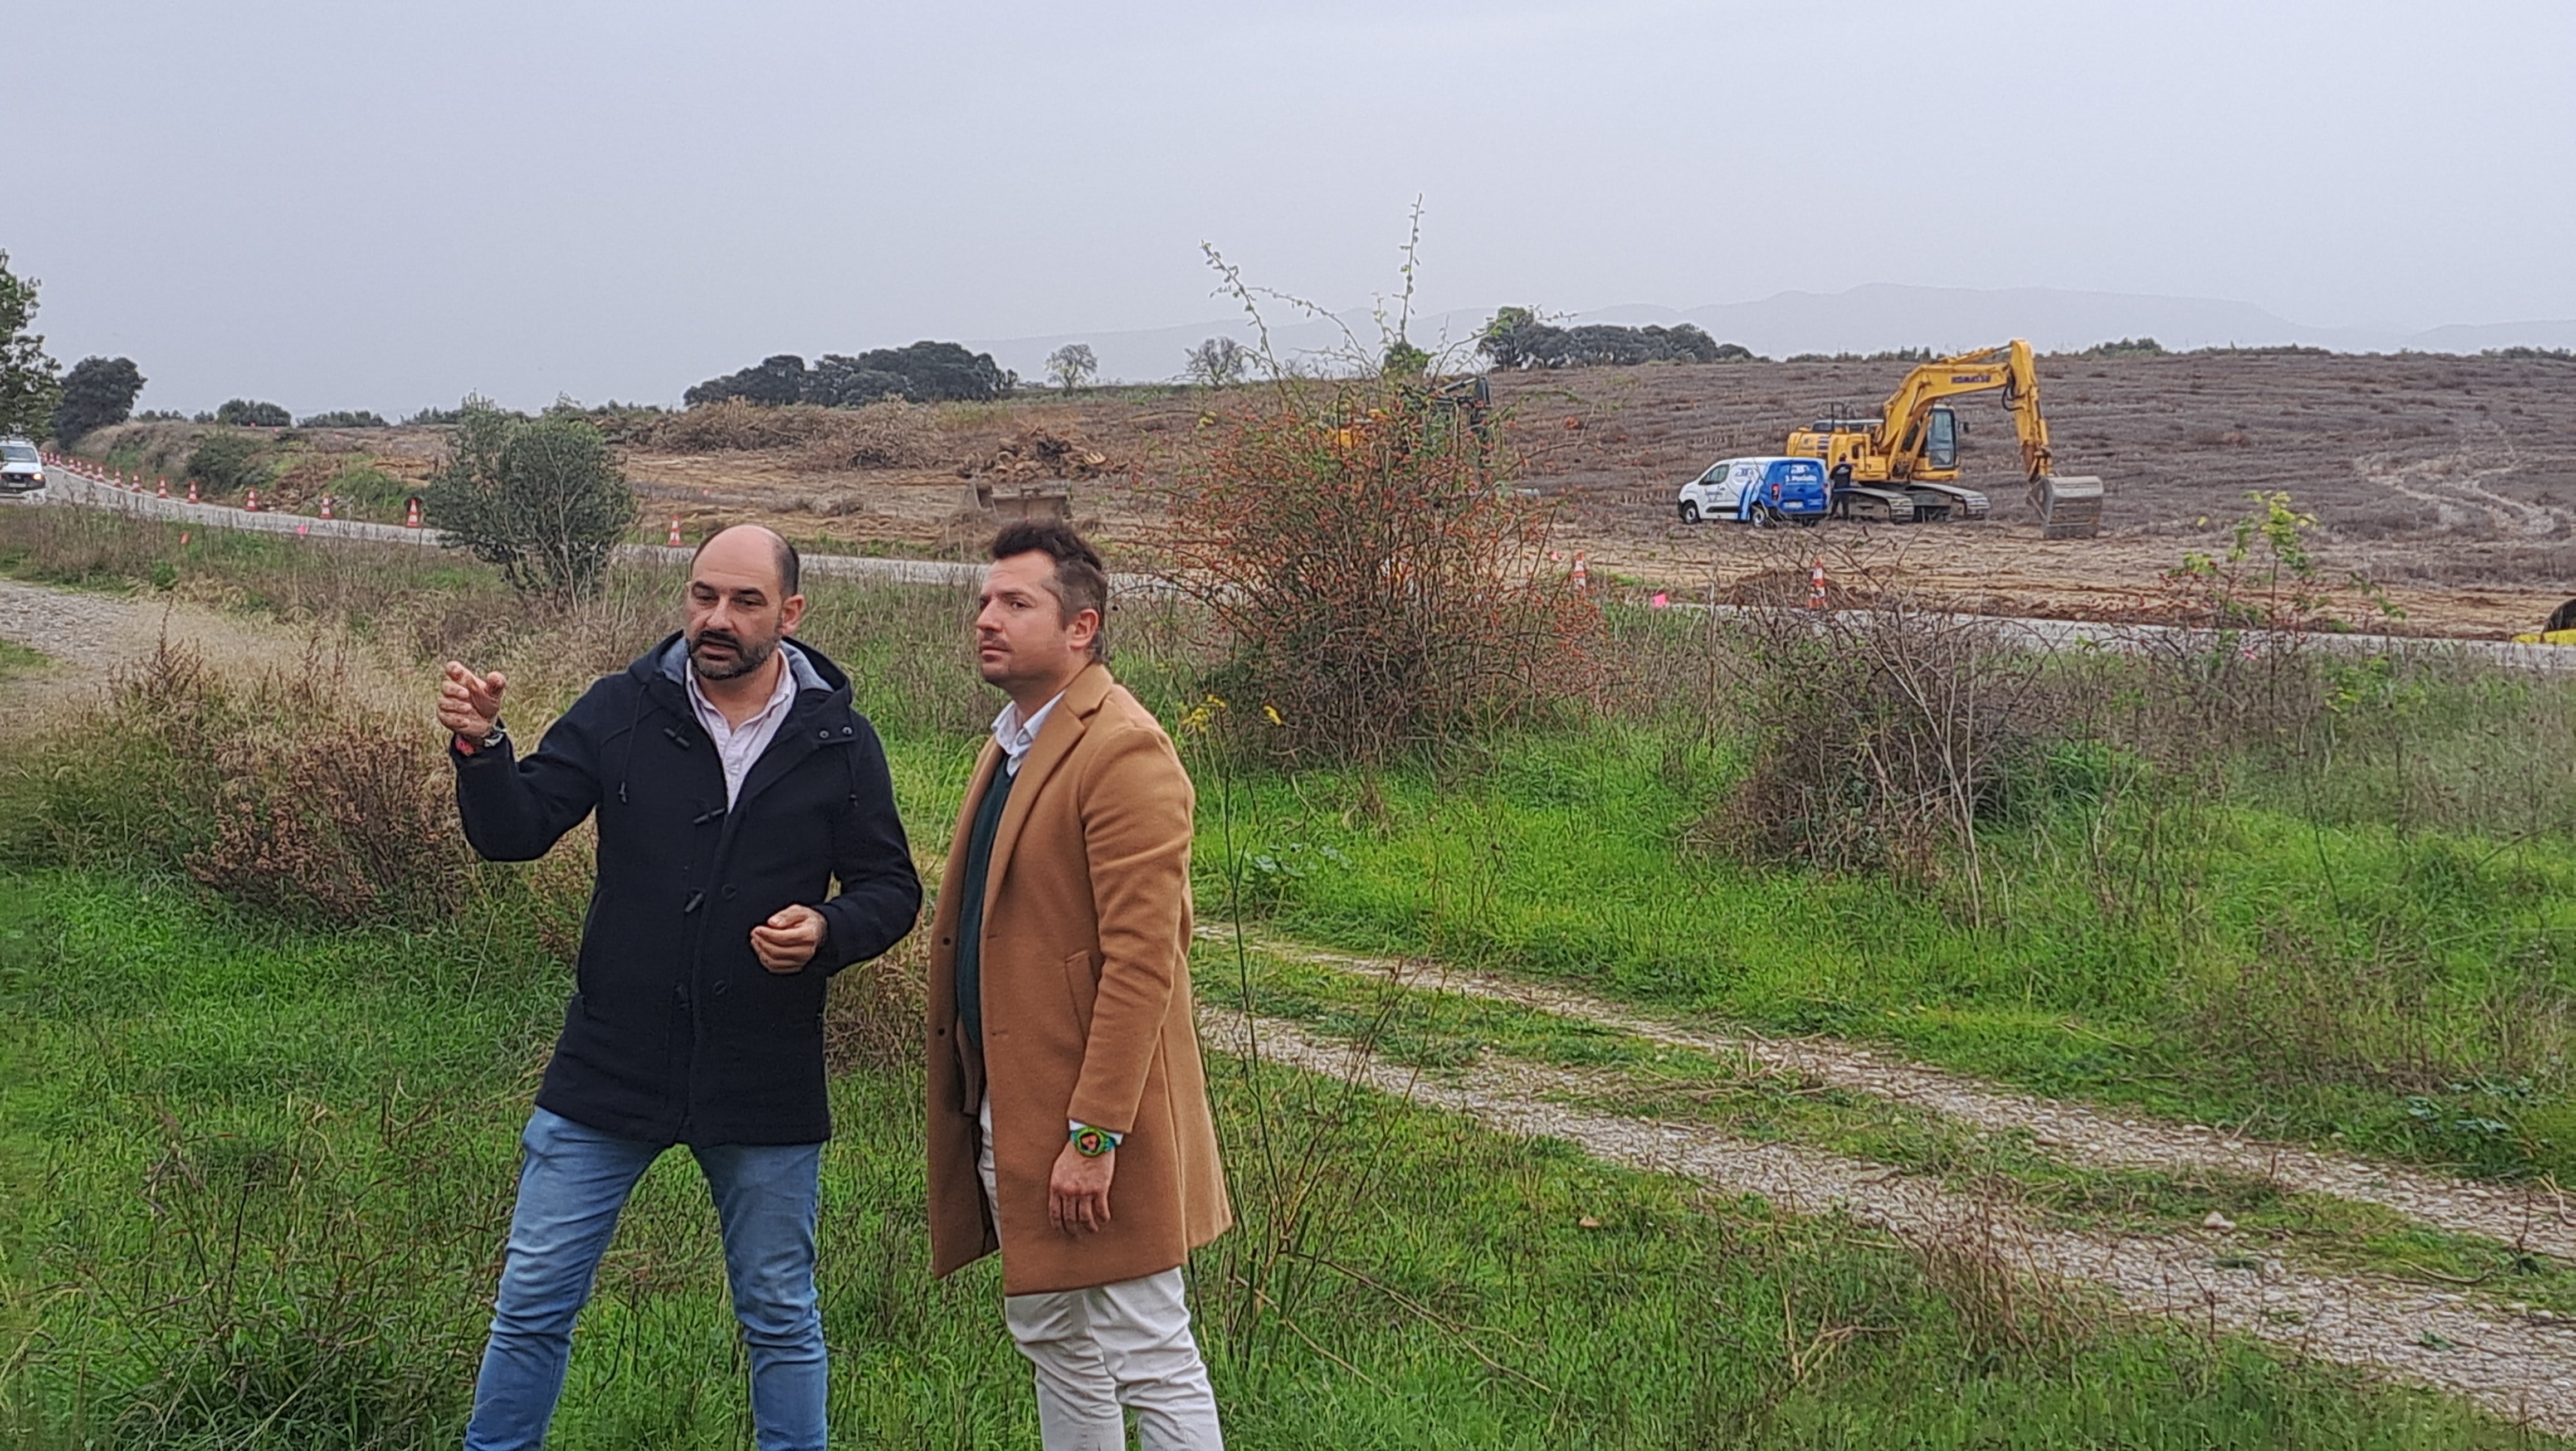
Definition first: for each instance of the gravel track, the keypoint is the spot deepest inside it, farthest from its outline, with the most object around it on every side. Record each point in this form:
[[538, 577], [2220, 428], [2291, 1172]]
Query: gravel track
[[2525, 1218], [2520, 1367]]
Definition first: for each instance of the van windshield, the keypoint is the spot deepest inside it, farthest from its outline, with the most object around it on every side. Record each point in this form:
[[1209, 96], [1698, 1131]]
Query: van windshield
[[17, 453]]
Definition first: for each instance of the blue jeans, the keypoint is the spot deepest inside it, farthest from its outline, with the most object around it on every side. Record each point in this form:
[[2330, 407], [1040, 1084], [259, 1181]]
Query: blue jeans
[[572, 1183]]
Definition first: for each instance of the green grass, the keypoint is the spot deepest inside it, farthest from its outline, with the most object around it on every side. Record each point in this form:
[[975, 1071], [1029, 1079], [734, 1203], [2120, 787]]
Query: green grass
[[17, 659], [2373, 943], [257, 1182], [1444, 1032], [2405, 993]]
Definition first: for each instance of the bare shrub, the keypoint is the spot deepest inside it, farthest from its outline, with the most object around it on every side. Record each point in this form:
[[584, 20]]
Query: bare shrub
[[735, 425], [1377, 588], [294, 792], [890, 434], [887, 434], [1879, 737]]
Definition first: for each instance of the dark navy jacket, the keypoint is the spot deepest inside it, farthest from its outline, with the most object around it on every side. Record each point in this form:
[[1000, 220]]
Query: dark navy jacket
[[675, 1032]]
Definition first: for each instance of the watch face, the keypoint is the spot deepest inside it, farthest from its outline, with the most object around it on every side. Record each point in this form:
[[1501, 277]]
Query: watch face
[[1092, 1143]]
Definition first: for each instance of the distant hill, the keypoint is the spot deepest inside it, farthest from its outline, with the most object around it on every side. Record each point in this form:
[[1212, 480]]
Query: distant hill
[[1864, 319]]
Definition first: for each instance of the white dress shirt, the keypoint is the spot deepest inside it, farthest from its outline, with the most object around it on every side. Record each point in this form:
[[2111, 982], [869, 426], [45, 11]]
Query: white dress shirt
[[737, 746], [1015, 736]]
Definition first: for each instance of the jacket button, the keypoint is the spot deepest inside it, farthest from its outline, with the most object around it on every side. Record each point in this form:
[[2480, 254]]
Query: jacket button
[[729, 892], [717, 990], [823, 735]]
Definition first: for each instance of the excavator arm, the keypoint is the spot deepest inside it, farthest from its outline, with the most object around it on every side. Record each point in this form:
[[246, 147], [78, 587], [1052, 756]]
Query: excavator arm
[[1901, 437]]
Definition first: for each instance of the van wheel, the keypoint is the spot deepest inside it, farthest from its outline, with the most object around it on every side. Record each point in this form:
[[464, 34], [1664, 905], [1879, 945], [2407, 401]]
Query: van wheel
[[1690, 512], [1762, 517]]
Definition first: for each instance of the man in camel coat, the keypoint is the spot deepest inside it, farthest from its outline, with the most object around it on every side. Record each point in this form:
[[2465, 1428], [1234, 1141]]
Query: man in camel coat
[[1069, 1124]]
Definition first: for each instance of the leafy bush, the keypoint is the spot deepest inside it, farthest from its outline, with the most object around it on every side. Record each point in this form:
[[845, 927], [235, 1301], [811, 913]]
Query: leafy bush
[[540, 499], [1377, 590], [346, 418], [27, 383], [97, 392], [2125, 348], [226, 462], [244, 413]]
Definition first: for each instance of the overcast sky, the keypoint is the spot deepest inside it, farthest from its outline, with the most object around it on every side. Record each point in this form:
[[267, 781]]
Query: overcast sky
[[370, 205]]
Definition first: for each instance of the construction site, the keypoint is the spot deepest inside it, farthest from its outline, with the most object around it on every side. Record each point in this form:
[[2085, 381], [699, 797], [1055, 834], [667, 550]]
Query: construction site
[[2448, 483]]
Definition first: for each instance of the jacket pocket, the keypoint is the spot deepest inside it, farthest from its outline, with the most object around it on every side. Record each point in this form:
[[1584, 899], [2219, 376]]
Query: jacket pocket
[[1082, 981]]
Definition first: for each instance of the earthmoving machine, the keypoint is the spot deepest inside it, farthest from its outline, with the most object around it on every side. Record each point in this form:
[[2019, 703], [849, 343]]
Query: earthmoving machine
[[2559, 630], [1902, 462]]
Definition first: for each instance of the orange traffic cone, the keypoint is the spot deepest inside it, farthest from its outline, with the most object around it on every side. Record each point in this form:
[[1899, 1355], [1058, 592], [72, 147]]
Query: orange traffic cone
[[1816, 586], [250, 501], [411, 513], [1582, 576], [674, 541], [162, 490], [192, 492], [326, 506]]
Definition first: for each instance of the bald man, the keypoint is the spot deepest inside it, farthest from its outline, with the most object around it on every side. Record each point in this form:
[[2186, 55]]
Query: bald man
[[735, 784]]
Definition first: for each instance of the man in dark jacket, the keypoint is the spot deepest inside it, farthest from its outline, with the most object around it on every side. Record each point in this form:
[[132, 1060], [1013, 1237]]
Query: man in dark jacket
[[734, 783]]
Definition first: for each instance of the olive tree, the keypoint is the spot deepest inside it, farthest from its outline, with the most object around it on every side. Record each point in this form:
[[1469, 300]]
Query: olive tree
[[542, 499]]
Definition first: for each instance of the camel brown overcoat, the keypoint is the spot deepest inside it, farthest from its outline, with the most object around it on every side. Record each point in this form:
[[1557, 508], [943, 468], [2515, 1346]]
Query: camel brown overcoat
[[1087, 1010]]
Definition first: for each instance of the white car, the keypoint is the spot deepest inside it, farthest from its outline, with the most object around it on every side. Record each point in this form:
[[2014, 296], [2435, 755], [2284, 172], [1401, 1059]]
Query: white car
[[1760, 491], [22, 469]]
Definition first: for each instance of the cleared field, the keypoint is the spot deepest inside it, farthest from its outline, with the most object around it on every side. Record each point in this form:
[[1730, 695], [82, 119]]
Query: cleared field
[[2452, 481]]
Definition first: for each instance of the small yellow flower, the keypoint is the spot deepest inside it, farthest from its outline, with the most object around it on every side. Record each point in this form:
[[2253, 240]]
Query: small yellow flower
[[1270, 713]]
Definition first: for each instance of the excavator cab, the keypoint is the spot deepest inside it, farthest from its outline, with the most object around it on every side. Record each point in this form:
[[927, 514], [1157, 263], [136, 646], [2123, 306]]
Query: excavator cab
[[1941, 438]]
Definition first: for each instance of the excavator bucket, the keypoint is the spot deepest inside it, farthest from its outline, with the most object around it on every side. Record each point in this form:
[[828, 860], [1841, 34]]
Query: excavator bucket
[[2069, 505]]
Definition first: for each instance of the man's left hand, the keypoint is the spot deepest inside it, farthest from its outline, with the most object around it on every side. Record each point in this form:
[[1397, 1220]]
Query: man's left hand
[[789, 939], [1078, 1190]]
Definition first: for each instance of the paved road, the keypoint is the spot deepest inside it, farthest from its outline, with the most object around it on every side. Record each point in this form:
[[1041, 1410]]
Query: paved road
[[64, 486], [68, 487]]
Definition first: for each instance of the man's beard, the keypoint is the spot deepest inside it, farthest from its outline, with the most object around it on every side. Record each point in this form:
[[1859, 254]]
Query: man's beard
[[746, 657]]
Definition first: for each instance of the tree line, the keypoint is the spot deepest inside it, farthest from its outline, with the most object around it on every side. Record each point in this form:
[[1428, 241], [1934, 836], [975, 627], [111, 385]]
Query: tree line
[[924, 372]]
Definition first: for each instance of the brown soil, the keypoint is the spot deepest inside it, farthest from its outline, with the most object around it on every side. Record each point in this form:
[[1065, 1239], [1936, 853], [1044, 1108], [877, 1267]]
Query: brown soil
[[2450, 481]]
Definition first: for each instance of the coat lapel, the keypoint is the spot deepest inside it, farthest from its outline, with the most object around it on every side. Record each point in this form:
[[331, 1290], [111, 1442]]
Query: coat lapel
[[1064, 726]]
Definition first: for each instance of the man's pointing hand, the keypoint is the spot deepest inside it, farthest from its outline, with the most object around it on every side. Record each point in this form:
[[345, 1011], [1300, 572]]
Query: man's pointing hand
[[469, 704]]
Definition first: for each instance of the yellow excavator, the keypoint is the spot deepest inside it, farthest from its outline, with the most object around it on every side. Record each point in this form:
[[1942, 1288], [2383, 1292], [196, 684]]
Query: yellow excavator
[[1898, 466], [2560, 629]]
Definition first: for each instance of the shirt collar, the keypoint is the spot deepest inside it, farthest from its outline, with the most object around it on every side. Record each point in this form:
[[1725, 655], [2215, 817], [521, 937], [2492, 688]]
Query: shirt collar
[[779, 694], [1016, 736]]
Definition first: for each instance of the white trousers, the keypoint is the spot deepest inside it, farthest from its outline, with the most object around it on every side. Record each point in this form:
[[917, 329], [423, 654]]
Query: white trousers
[[1122, 1345]]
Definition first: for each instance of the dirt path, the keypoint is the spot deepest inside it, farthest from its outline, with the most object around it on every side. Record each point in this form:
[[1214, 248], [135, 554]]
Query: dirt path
[[2525, 1218], [2517, 1366]]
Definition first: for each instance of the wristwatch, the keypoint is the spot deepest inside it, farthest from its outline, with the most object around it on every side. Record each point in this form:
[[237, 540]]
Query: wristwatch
[[490, 742], [1091, 1143]]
